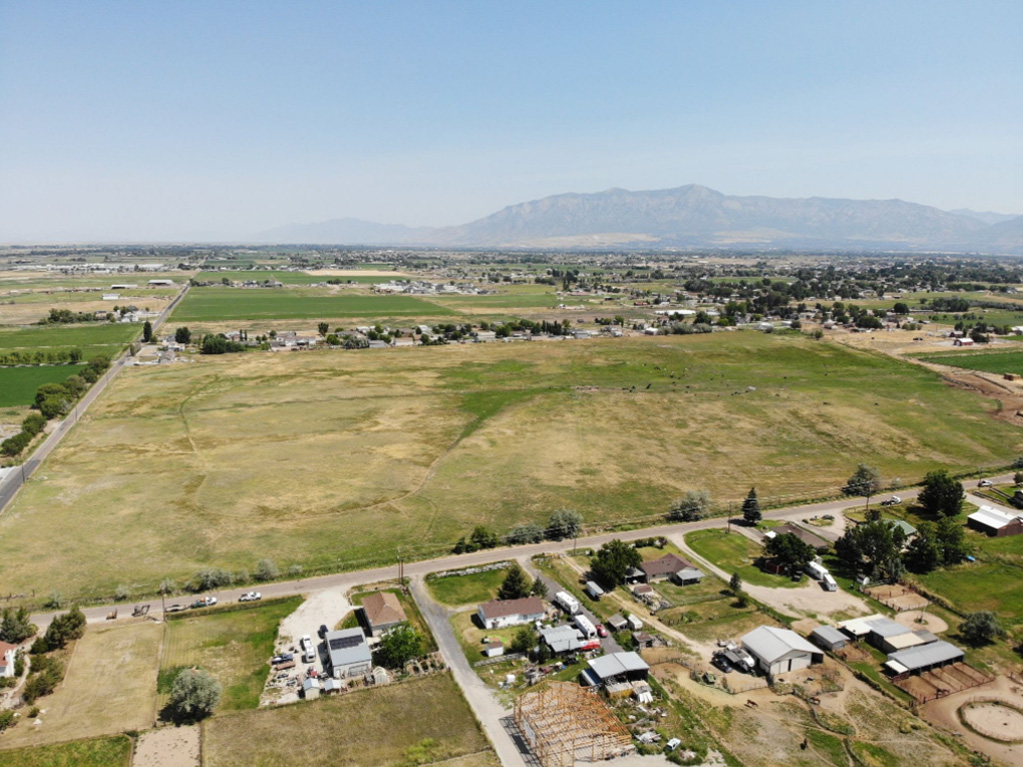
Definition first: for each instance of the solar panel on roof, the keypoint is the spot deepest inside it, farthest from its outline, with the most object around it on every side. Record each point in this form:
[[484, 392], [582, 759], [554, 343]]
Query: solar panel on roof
[[343, 643]]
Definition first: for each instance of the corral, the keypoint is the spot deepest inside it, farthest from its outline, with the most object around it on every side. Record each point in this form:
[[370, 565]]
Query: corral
[[898, 597], [564, 723]]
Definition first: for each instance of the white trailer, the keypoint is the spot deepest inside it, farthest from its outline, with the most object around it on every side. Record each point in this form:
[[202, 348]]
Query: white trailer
[[594, 590], [567, 602], [816, 570], [585, 625]]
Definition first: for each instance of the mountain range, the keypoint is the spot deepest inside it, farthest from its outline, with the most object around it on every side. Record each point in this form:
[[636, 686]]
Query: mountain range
[[691, 217]]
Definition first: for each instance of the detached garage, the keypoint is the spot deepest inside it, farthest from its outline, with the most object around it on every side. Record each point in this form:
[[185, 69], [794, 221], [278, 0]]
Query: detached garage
[[778, 651]]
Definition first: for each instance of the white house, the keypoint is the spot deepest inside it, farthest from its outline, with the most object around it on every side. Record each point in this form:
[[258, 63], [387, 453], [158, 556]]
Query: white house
[[7, 653], [780, 650], [499, 613]]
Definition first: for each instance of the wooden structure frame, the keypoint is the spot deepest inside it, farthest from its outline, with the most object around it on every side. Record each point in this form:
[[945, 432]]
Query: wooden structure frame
[[565, 723]]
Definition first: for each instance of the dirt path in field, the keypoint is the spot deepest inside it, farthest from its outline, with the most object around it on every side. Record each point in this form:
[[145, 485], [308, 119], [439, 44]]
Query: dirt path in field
[[167, 747]]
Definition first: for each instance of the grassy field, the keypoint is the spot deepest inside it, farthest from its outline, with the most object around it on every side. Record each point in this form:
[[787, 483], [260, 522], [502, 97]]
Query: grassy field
[[98, 334], [287, 278], [110, 687], [234, 645], [413, 723], [99, 752], [735, 553], [990, 362], [331, 460], [457, 590], [218, 304], [18, 385]]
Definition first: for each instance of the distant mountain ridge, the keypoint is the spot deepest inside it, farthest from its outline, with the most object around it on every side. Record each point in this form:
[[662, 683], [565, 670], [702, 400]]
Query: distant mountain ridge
[[690, 216]]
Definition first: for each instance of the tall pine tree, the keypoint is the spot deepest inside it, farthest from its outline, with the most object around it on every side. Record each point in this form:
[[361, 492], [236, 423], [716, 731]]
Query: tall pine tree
[[751, 508]]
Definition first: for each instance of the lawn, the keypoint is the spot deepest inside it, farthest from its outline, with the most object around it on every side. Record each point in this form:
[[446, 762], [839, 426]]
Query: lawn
[[470, 635], [993, 586], [110, 687], [331, 460], [413, 723], [219, 304], [234, 644], [457, 590], [261, 275], [988, 362], [18, 385], [735, 553], [113, 751]]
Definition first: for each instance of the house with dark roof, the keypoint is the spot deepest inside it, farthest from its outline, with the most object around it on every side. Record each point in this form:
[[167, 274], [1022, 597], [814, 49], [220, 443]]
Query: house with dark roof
[[499, 613], [671, 567], [383, 611]]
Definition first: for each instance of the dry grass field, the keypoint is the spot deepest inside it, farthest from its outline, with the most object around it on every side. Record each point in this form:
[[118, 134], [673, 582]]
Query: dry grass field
[[350, 730], [334, 459], [110, 687]]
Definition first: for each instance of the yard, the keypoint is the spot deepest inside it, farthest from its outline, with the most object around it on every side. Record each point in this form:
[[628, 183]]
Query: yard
[[110, 687], [114, 751], [413, 723], [426, 443], [735, 553], [233, 643], [458, 590]]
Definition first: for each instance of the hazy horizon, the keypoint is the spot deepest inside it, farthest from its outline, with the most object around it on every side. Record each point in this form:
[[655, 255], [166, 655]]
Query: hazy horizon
[[213, 122]]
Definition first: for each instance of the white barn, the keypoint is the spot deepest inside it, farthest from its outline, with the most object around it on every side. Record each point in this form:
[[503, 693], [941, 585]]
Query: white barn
[[780, 650]]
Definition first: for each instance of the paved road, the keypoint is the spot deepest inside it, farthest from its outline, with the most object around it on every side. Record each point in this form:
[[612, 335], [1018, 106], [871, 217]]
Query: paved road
[[13, 482]]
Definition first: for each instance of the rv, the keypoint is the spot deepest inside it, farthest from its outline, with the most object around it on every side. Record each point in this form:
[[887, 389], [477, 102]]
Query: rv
[[594, 590], [586, 626], [829, 583], [567, 602], [816, 570]]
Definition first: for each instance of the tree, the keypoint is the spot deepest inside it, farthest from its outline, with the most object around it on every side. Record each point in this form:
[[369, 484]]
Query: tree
[[15, 626], [951, 539], [865, 481], [524, 640], [791, 553], [613, 561], [399, 645], [183, 335], [874, 548], [735, 584], [483, 538], [923, 553], [62, 629], [692, 506], [147, 332], [528, 533], [981, 628], [942, 495], [751, 508], [323, 327], [266, 570], [194, 695], [901, 308], [516, 583], [539, 589], [564, 523], [209, 578]]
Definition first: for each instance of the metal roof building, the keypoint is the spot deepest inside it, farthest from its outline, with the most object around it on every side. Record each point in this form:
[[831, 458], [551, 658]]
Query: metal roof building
[[619, 666], [561, 639], [829, 638], [923, 658], [348, 653], [780, 650]]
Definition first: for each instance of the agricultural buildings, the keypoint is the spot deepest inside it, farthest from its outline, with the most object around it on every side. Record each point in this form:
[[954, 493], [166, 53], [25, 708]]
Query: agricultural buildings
[[829, 638], [916, 660], [348, 653], [780, 650], [885, 634], [616, 669], [499, 613], [995, 522], [383, 612]]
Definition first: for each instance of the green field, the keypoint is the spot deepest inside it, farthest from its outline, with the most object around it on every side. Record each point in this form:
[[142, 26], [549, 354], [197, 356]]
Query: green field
[[234, 644], [990, 362], [735, 553], [18, 385], [413, 723], [92, 339], [330, 461], [99, 752], [260, 275], [218, 304], [458, 590]]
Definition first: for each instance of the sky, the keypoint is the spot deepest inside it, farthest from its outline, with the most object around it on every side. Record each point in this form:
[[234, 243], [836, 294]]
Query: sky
[[175, 121]]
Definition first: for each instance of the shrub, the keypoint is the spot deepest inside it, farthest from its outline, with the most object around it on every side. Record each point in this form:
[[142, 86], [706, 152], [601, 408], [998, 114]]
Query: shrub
[[266, 570]]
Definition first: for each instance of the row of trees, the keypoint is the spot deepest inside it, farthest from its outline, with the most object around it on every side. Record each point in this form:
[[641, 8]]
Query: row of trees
[[563, 524], [40, 357]]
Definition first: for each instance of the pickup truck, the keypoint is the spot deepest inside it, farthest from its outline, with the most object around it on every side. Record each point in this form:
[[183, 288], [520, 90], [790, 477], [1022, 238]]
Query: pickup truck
[[204, 602], [251, 596]]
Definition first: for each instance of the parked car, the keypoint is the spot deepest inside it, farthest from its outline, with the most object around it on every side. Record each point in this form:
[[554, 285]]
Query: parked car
[[722, 663], [601, 631], [985, 483], [176, 608], [893, 501], [204, 602], [252, 596], [284, 657]]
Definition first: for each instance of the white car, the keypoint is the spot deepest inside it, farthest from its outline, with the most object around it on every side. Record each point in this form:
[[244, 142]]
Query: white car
[[252, 596], [985, 483]]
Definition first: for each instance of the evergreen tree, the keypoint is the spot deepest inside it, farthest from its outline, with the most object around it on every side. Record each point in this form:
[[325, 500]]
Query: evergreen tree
[[516, 583], [751, 508]]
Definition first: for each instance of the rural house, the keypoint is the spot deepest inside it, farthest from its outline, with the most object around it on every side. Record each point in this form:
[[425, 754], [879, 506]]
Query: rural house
[[780, 650], [499, 613], [995, 522], [383, 612], [348, 653], [811, 539], [7, 653], [671, 567]]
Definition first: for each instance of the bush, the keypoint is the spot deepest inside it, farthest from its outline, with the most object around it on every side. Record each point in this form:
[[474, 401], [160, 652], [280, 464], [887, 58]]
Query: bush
[[64, 628], [46, 674], [209, 578], [7, 720], [33, 424], [266, 570]]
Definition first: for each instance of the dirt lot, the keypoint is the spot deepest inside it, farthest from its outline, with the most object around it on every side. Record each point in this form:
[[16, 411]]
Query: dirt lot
[[942, 713], [110, 687], [168, 747], [898, 597]]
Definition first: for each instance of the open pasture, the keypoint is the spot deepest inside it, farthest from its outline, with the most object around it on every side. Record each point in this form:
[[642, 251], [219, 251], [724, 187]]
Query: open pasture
[[418, 722], [261, 275], [92, 339], [113, 751], [331, 460], [110, 687], [987, 362], [18, 385], [220, 304]]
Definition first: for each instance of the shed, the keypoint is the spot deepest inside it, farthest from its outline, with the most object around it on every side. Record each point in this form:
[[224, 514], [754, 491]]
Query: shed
[[617, 622], [493, 649], [381, 675], [561, 639], [311, 688], [619, 667], [780, 650], [923, 658], [829, 638], [332, 685]]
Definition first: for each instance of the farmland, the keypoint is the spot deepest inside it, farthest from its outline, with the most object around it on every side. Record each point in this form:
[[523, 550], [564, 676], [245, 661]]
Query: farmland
[[319, 459], [92, 339], [990, 362], [384, 725], [112, 751], [233, 644], [110, 687], [223, 304], [18, 385]]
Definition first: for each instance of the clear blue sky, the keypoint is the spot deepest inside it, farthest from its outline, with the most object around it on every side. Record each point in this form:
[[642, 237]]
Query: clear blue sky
[[178, 120]]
